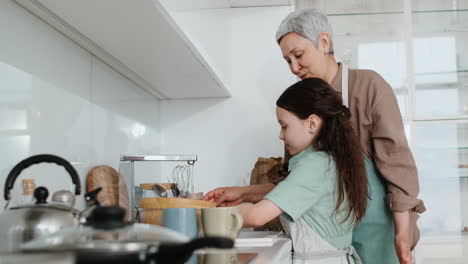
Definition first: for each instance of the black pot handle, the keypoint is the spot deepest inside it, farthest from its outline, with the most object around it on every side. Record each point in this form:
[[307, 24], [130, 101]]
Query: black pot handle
[[24, 164], [164, 253], [180, 253]]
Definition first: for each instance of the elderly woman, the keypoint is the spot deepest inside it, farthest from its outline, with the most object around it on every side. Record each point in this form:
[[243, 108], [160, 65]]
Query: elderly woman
[[388, 231]]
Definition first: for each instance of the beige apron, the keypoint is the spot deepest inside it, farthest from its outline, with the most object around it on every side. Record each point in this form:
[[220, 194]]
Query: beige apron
[[310, 248], [344, 85]]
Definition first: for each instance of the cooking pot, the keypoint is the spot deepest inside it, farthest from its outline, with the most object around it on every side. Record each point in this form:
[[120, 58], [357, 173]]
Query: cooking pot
[[26, 222], [109, 239]]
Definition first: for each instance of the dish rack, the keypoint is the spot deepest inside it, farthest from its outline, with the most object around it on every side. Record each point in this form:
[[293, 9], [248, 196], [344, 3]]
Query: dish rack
[[127, 170]]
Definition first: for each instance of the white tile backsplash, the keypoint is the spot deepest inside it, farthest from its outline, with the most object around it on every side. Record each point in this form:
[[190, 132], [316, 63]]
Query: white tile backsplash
[[57, 98], [229, 135]]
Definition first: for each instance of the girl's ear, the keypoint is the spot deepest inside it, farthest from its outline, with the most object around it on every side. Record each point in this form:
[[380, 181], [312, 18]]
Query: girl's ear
[[315, 123]]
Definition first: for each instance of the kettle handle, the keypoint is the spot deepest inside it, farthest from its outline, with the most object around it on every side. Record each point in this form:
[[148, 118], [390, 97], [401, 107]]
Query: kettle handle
[[24, 164]]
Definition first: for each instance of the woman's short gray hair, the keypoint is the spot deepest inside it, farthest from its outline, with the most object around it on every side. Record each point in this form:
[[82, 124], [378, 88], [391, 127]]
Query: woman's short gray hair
[[309, 23]]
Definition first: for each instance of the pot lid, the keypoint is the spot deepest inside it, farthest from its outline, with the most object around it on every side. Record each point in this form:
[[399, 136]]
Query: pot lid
[[107, 231], [41, 194]]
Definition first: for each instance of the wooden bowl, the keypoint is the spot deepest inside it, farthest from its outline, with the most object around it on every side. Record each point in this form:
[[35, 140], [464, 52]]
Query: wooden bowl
[[151, 209]]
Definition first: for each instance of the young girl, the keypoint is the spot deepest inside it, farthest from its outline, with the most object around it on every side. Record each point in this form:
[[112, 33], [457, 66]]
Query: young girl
[[325, 193]]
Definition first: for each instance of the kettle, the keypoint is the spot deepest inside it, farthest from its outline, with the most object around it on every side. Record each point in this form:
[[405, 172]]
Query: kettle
[[27, 222]]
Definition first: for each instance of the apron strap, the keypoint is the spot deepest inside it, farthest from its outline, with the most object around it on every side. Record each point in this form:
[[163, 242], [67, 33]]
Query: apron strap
[[349, 252], [344, 84]]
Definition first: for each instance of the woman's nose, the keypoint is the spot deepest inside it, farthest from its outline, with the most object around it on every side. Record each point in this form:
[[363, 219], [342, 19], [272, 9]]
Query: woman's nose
[[295, 67]]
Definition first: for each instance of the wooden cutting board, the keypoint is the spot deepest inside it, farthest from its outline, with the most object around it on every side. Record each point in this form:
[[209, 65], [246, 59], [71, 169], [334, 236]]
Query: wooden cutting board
[[114, 189]]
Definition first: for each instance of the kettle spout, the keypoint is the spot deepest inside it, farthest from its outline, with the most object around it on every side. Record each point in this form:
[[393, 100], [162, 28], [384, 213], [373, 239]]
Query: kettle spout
[[92, 203]]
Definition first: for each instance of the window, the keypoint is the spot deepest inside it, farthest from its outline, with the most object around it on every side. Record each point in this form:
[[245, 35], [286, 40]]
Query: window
[[421, 48]]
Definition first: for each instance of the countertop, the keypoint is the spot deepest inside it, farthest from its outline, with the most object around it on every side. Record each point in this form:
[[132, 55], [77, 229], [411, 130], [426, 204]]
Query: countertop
[[278, 252]]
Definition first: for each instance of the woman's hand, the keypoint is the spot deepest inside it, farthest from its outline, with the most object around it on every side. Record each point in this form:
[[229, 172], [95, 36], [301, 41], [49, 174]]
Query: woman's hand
[[226, 196], [402, 243], [403, 249]]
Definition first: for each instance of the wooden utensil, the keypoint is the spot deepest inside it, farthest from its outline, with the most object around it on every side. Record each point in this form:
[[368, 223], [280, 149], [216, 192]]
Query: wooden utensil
[[149, 186], [114, 189], [172, 187]]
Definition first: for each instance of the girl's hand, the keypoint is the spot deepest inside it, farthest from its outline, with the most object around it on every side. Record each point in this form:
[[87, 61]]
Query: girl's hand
[[232, 196], [226, 196], [255, 215]]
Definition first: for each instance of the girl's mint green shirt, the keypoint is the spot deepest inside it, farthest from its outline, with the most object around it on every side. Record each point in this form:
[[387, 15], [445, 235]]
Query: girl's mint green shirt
[[310, 191]]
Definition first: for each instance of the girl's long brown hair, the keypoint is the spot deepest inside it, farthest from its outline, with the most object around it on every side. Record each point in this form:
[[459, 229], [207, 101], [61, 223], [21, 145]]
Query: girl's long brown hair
[[336, 137]]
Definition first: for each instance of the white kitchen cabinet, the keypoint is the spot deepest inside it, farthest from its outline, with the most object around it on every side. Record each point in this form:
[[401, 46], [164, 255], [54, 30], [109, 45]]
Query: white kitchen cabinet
[[140, 40]]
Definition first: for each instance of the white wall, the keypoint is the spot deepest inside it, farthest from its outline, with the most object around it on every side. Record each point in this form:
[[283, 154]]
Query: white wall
[[57, 98], [228, 135]]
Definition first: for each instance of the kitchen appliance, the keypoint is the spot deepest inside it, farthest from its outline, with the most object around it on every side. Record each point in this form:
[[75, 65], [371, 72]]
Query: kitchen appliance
[[110, 239], [23, 223], [127, 170], [181, 175]]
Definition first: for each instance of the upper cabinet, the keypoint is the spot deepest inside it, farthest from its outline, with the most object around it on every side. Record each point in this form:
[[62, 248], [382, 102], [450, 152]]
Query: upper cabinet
[[140, 40]]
